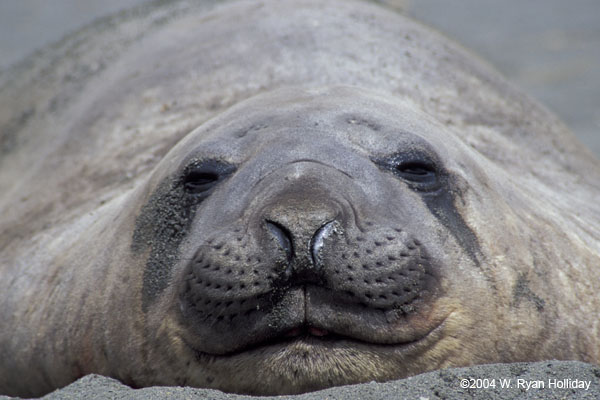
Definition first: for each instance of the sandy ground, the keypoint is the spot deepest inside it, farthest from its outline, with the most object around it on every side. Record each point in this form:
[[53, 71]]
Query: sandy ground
[[545, 380]]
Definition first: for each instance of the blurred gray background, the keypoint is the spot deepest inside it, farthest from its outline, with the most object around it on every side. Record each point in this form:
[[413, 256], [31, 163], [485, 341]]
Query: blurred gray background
[[550, 48]]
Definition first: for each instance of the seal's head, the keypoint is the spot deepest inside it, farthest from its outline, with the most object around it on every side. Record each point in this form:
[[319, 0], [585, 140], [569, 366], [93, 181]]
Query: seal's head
[[303, 240]]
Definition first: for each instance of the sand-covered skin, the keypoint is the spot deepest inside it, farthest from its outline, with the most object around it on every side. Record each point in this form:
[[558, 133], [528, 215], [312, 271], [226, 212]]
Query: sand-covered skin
[[524, 381], [550, 48]]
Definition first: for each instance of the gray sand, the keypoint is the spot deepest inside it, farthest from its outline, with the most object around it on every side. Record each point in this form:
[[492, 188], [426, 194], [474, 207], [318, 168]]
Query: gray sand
[[539, 380]]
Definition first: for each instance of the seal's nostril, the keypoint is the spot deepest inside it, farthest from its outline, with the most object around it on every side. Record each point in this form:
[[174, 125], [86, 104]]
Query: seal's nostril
[[283, 236], [316, 243]]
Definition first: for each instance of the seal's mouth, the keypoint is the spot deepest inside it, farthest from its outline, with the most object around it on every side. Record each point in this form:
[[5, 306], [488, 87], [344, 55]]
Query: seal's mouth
[[312, 313], [317, 337], [306, 330], [307, 358]]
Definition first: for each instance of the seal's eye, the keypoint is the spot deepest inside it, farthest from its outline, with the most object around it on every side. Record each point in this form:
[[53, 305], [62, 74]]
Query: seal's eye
[[417, 168], [416, 171], [199, 178], [198, 181], [421, 175]]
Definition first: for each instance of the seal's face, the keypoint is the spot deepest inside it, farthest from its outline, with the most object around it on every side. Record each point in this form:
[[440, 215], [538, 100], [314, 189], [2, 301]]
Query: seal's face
[[305, 244]]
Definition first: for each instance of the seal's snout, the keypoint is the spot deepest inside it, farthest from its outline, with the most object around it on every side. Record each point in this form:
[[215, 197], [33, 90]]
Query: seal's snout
[[280, 278], [303, 252], [294, 223], [284, 238]]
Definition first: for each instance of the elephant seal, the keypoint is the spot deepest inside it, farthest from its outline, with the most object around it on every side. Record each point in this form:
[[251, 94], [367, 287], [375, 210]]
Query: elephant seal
[[272, 197]]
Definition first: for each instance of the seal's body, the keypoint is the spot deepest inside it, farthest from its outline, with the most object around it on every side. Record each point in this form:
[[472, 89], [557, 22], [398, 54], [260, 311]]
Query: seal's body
[[280, 196]]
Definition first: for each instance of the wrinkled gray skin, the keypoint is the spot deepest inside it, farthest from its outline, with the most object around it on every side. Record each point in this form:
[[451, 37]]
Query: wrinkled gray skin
[[281, 196]]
